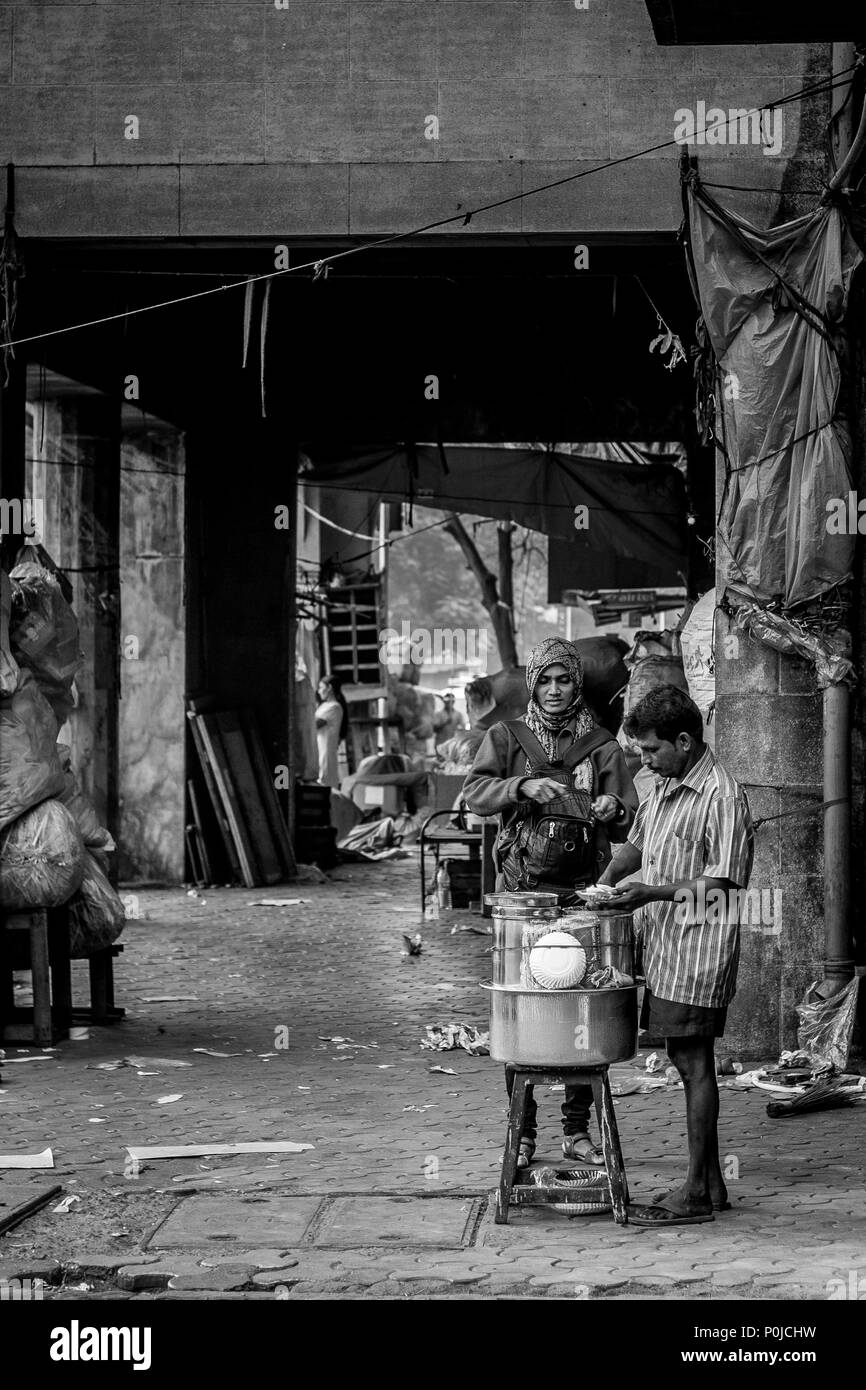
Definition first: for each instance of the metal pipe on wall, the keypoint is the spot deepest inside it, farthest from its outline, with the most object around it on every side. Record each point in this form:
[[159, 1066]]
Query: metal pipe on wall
[[838, 958]]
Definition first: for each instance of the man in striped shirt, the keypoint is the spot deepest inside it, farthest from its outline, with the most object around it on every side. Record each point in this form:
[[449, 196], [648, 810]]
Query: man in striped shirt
[[693, 841]]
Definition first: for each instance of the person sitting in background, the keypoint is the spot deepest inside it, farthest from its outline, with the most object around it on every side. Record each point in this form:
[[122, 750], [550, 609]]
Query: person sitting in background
[[504, 781], [332, 726]]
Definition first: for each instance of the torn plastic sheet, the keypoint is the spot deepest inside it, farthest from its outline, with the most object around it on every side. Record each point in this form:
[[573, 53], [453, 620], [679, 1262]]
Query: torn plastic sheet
[[828, 652], [826, 1025], [773, 301]]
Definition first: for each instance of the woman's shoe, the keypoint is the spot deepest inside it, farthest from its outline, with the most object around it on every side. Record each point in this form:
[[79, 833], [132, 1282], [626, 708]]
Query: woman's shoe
[[581, 1147], [525, 1152]]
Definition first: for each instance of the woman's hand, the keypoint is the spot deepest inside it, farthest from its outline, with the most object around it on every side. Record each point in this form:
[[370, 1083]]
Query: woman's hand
[[541, 789], [605, 808]]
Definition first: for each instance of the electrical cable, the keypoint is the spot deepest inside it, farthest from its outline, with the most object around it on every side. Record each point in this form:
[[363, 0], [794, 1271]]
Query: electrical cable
[[320, 266]]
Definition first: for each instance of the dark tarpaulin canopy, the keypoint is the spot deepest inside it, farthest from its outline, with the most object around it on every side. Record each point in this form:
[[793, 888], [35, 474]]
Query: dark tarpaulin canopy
[[633, 509]]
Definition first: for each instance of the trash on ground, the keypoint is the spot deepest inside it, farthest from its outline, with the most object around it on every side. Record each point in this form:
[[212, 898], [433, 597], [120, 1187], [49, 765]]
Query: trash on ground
[[8, 1061], [446, 1071], [169, 1100], [78, 1034], [309, 873], [828, 1093], [281, 1146], [94, 1121], [446, 1037], [63, 1207], [280, 902], [637, 1085], [655, 1063], [413, 944], [155, 1062], [45, 1159], [209, 1052], [419, 1109], [479, 931], [168, 999]]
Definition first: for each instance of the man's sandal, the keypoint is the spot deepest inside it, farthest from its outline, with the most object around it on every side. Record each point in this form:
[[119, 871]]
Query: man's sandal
[[581, 1147], [671, 1211], [659, 1198]]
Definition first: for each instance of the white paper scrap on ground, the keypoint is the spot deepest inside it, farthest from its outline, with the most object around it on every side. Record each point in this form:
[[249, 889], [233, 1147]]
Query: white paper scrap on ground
[[155, 1062], [169, 1100], [209, 1052], [276, 1146], [168, 998], [280, 902], [43, 1160], [63, 1207]]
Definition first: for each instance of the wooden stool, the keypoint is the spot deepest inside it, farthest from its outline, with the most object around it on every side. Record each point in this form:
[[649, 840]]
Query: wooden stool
[[49, 1018], [531, 1195]]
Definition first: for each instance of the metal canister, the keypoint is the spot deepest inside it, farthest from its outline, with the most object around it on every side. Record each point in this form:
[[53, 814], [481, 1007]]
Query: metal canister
[[512, 913], [606, 936], [563, 1027]]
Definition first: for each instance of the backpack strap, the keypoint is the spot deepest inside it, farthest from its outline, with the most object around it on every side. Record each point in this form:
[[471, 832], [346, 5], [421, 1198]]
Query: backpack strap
[[532, 747], [536, 752], [586, 745]]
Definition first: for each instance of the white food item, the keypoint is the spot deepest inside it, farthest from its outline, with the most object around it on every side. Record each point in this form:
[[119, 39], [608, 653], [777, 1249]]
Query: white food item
[[557, 961]]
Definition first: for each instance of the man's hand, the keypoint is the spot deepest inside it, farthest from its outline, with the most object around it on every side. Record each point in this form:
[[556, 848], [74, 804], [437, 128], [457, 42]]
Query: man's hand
[[541, 789], [605, 808], [632, 896]]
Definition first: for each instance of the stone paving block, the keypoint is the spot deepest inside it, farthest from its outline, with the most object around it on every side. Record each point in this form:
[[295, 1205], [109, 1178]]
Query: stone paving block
[[155, 1276], [229, 1277]]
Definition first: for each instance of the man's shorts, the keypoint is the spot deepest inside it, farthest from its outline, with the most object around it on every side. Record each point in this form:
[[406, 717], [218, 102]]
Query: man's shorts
[[666, 1019]]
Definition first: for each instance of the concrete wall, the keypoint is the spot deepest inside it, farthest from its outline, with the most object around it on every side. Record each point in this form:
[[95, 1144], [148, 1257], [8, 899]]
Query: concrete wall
[[314, 118], [153, 655]]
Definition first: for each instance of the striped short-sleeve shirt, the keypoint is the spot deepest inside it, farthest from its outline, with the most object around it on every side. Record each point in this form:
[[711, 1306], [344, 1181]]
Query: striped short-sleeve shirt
[[699, 827]]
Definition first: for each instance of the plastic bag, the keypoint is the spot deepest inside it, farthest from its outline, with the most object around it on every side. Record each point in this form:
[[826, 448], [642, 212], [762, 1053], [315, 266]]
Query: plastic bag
[[96, 913], [30, 769], [93, 833], [652, 661], [696, 646], [8, 664], [826, 1025], [44, 634], [41, 858]]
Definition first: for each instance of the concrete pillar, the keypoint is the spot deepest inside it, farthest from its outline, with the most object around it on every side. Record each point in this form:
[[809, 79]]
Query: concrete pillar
[[768, 735]]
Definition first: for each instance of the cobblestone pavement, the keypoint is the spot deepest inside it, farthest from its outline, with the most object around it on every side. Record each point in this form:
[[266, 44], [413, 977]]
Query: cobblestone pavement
[[379, 1122]]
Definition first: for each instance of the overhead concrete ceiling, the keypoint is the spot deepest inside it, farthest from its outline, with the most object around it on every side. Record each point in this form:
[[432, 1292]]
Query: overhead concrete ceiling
[[754, 21]]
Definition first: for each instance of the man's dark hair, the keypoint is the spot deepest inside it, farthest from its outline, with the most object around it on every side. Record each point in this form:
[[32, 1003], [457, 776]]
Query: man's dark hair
[[667, 710]]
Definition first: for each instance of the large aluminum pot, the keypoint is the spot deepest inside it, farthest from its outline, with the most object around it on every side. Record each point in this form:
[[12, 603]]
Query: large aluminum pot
[[515, 916], [563, 1027]]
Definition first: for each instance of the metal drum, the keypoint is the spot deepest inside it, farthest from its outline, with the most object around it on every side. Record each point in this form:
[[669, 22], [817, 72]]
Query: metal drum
[[512, 914], [563, 1027], [607, 937]]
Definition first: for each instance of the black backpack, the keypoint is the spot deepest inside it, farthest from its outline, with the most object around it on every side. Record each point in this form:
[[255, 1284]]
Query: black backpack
[[551, 845]]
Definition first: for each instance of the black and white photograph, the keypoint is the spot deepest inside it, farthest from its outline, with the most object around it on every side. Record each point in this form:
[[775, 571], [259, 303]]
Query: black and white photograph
[[432, 708]]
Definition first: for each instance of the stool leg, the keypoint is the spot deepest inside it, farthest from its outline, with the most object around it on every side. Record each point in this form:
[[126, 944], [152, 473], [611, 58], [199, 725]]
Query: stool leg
[[61, 969], [98, 966], [610, 1147], [42, 1032], [516, 1115]]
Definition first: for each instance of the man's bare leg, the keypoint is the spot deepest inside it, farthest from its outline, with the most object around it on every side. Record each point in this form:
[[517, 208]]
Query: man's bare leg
[[694, 1059]]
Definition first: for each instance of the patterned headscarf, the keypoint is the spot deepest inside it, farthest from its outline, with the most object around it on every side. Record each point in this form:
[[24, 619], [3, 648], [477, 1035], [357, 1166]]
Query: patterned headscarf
[[555, 651]]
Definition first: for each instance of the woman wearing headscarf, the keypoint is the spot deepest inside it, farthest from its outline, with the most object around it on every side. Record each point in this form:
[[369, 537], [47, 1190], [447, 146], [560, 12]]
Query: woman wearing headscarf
[[504, 781]]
